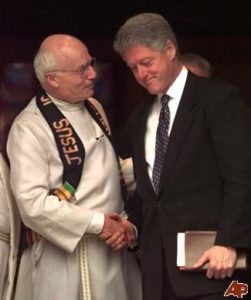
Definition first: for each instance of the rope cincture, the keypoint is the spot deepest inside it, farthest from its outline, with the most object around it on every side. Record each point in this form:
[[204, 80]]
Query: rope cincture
[[84, 270]]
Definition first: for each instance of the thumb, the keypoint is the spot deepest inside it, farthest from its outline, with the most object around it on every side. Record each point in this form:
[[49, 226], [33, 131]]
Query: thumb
[[114, 216], [201, 261]]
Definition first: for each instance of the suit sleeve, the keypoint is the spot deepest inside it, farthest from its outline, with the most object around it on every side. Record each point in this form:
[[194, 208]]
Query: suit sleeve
[[134, 210], [122, 140], [230, 131]]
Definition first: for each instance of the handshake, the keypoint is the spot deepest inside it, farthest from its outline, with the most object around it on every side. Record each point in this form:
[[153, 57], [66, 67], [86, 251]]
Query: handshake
[[117, 232]]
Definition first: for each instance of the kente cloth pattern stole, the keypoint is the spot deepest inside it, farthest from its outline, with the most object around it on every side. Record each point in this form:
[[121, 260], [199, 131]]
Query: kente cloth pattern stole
[[161, 141]]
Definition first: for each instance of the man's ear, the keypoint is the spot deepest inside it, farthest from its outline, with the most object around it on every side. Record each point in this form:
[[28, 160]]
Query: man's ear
[[170, 50], [51, 79]]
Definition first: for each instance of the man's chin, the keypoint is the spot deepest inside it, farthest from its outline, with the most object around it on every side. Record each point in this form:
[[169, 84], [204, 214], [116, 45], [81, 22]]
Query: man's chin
[[89, 93], [152, 91]]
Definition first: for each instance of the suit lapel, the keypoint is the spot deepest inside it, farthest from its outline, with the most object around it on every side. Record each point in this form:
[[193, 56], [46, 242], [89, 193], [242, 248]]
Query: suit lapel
[[180, 127]]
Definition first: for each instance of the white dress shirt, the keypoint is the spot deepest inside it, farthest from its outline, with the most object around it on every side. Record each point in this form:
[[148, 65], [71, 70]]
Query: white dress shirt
[[174, 92]]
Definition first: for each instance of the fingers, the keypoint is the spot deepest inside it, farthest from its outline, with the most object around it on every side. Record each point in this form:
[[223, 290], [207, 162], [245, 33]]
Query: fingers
[[115, 217], [118, 241], [110, 227], [219, 272], [222, 261], [117, 232]]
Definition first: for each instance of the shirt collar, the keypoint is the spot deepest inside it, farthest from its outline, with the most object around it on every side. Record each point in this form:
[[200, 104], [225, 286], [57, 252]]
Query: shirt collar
[[176, 89]]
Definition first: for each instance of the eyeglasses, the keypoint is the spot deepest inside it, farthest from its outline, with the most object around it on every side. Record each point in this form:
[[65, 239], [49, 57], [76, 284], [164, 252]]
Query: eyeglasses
[[81, 70]]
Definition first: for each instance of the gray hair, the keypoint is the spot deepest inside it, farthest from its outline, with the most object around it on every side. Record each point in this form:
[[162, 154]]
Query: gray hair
[[148, 29], [44, 61]]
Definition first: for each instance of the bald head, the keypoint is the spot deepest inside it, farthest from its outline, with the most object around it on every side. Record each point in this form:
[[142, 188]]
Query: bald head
[[65, 68], [59, 42], [56, 50]]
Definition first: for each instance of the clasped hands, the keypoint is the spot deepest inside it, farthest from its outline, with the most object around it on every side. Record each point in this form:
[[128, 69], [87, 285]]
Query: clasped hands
[[117, 232]]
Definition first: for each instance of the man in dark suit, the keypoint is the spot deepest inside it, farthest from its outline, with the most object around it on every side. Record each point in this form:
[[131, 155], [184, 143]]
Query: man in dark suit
[[192, 163]]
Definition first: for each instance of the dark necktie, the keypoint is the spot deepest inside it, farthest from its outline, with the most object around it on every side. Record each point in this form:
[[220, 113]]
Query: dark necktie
[[161, 141]]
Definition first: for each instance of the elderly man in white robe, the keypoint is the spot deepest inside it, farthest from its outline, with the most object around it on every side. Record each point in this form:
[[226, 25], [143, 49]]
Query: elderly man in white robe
[[65, 178]]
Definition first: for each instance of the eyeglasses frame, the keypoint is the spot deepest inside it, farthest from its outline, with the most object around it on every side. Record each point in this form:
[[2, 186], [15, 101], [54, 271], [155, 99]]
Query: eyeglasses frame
[[81, 70]]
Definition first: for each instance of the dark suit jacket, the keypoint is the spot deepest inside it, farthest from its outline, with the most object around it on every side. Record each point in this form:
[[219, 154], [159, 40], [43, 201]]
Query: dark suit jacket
[[205, 183]]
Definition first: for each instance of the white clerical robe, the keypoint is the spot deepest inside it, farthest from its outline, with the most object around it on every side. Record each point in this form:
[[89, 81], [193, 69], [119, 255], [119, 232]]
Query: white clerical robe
[[9, 234], [70, 259], [4, 244]]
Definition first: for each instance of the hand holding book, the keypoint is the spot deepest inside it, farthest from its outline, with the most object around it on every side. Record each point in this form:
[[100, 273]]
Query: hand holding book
[[196, 251], [221, 262]]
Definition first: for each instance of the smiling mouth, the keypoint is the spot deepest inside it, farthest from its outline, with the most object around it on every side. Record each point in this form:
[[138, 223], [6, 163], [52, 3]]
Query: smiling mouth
[[148, 81]]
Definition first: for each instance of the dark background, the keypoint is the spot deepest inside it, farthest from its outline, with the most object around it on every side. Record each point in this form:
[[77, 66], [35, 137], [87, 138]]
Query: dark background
[[218, 30], [101, 18]]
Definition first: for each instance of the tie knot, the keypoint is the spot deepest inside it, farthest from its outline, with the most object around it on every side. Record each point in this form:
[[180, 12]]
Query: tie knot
[[165, 99]]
